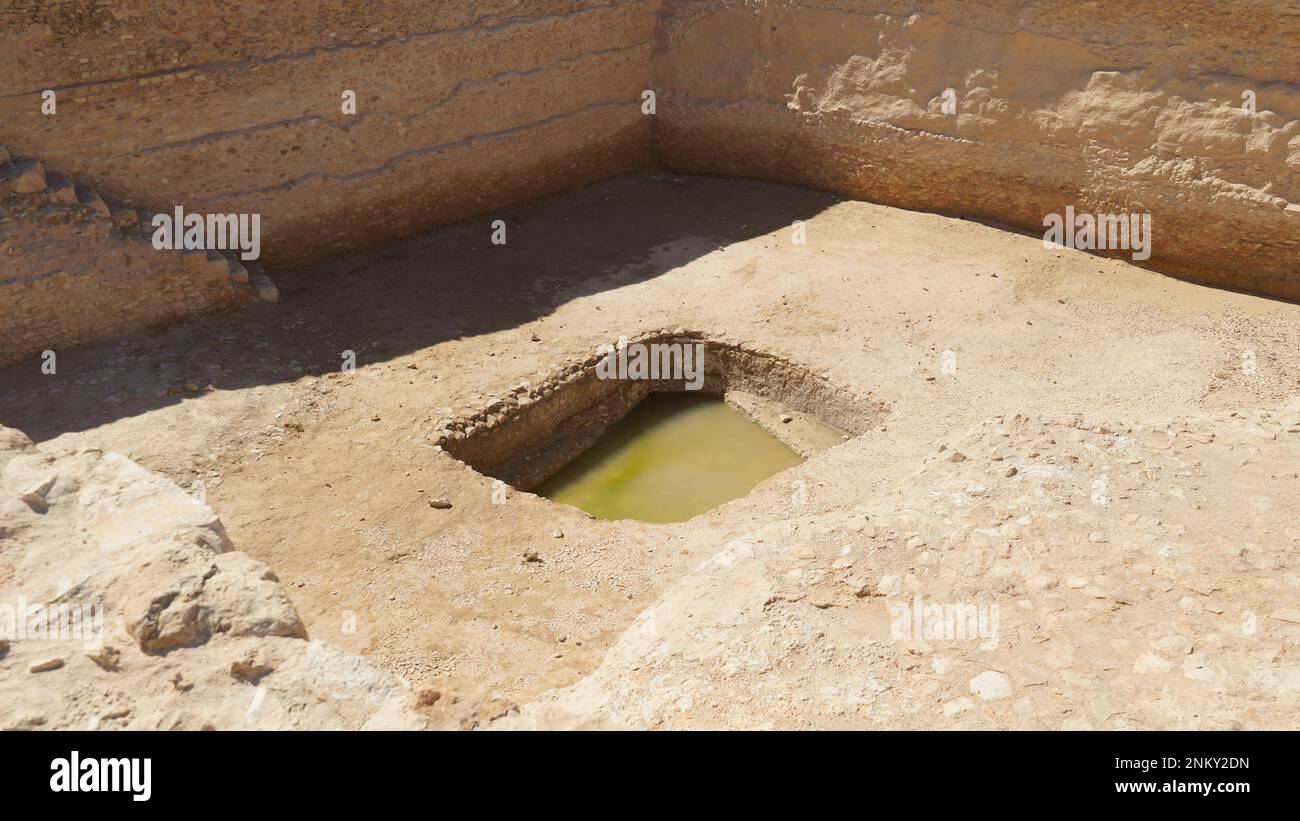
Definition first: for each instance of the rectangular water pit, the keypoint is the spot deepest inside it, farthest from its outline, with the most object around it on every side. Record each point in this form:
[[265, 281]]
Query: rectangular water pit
[[674, 456], [650, 448]]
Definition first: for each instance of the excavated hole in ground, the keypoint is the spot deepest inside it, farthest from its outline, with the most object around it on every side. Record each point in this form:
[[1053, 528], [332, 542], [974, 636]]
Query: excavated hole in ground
[[613, 446]]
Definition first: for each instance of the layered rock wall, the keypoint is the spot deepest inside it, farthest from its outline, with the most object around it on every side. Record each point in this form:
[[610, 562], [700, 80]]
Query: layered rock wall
[[75, 268], [997, 109], [1112, 107], [461, 107]]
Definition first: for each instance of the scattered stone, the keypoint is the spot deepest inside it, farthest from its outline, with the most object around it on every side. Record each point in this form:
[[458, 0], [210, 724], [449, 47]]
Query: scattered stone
[[440, 504], [35, 496], [532, 556], [107, 657], [1011, 471], [889, 586], [46, 665], [249, 668], [427, 697], [29, 180], [1097, 537], [958, 706], [860, 586], [991, 685], [557, 534], [787, 418], [957, 456]]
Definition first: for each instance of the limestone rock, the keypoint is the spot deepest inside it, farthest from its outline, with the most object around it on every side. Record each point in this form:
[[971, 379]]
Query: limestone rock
[[181, 616], [991, 685]]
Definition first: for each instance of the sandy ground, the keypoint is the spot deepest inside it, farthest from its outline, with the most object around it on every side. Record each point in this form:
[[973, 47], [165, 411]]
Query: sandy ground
[[325, 475]]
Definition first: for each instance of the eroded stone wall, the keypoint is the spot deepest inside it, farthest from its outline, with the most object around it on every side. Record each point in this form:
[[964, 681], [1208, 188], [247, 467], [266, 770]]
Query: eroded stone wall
[[76, 269], [1108, 106], [461, 107], [465, 108]]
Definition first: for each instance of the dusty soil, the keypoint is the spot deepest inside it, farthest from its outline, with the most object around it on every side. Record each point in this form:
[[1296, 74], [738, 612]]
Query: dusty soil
[[326, 476]]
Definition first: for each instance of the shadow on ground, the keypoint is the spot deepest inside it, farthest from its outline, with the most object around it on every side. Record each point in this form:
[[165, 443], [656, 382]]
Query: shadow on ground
[[405, 296]]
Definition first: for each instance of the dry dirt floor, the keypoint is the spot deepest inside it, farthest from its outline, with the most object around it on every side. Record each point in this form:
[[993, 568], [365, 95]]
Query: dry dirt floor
[[1112, 463]]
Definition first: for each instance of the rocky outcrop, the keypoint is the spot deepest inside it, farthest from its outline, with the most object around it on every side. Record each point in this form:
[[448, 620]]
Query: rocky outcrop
[[122, 606], [1110, 107], [76, 269]]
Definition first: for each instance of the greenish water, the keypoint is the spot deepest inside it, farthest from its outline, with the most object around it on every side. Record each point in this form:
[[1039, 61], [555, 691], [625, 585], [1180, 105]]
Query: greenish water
[[672, 457]]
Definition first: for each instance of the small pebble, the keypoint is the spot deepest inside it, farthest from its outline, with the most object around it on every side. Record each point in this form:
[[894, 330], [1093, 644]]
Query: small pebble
[[46, 665]]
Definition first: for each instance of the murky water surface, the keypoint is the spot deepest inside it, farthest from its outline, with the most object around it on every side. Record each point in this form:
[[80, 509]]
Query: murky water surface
[[672, 457]]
